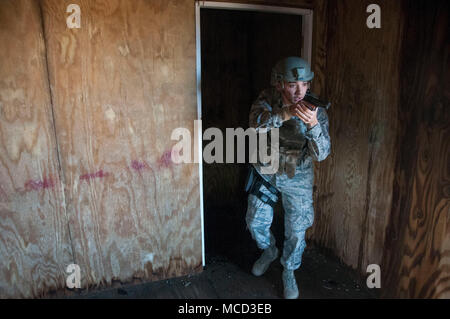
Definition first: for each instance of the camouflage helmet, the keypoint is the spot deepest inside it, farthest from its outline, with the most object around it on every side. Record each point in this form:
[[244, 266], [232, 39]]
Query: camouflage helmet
[[291, 69]]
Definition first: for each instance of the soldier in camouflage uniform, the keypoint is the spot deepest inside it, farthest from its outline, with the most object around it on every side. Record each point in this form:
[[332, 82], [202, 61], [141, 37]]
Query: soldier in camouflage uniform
[[303, 138]]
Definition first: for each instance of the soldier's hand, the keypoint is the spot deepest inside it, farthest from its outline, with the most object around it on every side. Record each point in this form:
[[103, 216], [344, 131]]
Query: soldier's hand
[[293, 110], [305, 114]]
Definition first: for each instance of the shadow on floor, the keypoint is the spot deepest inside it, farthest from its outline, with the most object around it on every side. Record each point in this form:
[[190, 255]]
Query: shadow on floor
[[230, 253], [319, 277]]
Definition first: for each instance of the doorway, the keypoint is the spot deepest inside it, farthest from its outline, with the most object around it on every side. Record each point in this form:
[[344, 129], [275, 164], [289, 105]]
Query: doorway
[[237, 45]]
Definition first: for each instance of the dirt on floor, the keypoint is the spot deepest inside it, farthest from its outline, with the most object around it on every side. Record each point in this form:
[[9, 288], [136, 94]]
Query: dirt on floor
[[230, 254], [320, 276]]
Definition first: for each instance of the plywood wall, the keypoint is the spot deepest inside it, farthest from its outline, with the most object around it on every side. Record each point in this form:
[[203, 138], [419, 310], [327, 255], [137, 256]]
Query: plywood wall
[[86, 122], [120, 85], [34, 234], [417, 248], [354, 185], [381, 195]]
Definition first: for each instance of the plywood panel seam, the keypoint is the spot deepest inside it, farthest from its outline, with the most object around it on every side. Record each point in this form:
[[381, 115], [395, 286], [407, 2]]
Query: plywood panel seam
[[53, 122]]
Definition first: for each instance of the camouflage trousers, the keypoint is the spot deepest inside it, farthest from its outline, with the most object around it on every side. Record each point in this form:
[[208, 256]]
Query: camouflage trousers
[[296, 196]]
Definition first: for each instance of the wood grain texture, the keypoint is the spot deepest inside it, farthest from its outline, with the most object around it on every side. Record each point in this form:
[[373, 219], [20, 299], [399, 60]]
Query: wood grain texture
[[126, 79], [417, 248], [120, 85], [354, 185], [34, 240]]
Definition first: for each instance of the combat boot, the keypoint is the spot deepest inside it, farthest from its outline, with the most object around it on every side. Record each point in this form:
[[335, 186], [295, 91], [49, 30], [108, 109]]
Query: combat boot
[[290, 284], [263, 263]]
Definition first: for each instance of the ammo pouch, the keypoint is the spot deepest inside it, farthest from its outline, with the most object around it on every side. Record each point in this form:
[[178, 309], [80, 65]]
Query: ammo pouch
[[289, 159], [253, 186]]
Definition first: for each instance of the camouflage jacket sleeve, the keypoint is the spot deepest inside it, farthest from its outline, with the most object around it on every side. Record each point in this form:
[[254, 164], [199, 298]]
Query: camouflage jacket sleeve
[[266, 112], [319, 144]]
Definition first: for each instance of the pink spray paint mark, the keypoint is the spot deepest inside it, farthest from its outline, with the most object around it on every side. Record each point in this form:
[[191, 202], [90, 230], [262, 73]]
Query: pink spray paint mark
[[166, 159], [138, 166], [38, 184], [90, 176]]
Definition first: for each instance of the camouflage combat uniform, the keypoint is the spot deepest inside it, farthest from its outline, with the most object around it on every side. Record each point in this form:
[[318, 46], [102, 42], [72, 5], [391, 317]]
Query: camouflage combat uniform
[[294, 182]]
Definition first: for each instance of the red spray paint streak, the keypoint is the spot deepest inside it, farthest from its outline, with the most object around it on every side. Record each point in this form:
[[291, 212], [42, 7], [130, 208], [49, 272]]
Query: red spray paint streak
[[38, 184], [90, 176], [138, 166], [165, 159]]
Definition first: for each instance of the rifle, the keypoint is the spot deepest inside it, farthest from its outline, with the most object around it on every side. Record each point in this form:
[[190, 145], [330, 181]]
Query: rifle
[[314, 100]]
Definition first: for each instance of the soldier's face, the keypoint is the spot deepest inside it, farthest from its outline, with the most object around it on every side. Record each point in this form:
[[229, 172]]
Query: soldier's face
[[294, 92]]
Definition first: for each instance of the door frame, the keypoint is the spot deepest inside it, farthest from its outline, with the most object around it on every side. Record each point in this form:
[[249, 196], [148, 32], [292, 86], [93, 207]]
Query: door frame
[[307, 36]]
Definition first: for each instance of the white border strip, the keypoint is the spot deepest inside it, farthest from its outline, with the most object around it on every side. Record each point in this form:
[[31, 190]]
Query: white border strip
[[252, 7], [199, 117], [307, 30]]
